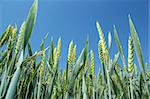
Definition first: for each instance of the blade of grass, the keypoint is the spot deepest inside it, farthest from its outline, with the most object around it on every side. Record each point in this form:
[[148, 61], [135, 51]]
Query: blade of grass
[[13, 84], [137, 46], [30, 23], [120, 49]]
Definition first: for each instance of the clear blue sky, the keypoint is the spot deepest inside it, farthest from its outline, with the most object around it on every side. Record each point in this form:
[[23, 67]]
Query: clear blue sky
[[75, 20]]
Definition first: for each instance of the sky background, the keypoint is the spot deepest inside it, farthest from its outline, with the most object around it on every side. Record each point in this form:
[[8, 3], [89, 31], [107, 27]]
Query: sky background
[[75, 20]]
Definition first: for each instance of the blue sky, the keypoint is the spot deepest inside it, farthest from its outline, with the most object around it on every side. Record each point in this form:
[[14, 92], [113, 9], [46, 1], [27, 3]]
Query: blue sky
[[75, 20]]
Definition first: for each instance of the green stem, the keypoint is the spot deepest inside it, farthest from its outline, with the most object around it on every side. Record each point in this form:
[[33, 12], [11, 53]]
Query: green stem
[[108, 80], [131, 89], [39, 87]]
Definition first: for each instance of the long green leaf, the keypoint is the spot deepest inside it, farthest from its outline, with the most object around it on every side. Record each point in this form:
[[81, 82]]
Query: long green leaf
[[30, 22], [13, 84], [120, 49], [136, 43]]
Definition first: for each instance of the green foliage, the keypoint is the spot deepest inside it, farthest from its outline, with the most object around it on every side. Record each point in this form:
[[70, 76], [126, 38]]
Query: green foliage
[[120, 50], [26, 76], [30, 22]]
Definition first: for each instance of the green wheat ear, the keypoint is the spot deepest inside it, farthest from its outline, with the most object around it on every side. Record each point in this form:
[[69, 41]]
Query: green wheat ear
[[20, 38], [92, 63], [100, 51], [70, 58], [130, 56], [9, 39], [74, 54], [43, 63], [58, 48], [103, 42], [5, 36], [14, 34], [12, 37], [55, 57]]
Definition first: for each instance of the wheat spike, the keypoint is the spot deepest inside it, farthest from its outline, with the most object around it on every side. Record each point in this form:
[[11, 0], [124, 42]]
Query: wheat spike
[[92, 63], [130, 56], [55, 57], [12, 38], [9, 42], [20, 37], [58, 48], [5, 36], [100, 52], [103, 42], [70, 53], [70, 56], [14, 34], [74, 54], [43, 63]]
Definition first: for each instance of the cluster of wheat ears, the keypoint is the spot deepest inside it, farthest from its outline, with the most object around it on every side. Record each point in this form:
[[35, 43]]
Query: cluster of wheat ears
[[23, 76]]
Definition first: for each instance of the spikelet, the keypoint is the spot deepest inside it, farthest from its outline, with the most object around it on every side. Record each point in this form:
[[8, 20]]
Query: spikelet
[[42, 63], [58, 48], [92, 63], [33, 65], [100, 52], [64, 82], [14, 34], [70, 56], [55, 57], [21, 86], [130, 56], [5, 35], [20, 38], [103, 42], [12, 38], [9, 42], [74, 54], [70, 53], [55, 54]]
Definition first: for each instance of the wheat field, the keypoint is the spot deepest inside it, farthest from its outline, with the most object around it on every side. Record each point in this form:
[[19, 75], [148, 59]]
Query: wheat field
[[23, 76]]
